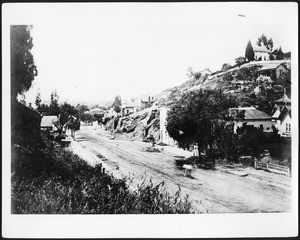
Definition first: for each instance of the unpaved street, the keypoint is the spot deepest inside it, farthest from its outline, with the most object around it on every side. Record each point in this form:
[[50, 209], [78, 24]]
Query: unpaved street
[[211, 191]]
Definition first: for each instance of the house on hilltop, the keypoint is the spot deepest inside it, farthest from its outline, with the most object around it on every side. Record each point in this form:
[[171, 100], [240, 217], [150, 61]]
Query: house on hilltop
[[252, 116], [261, 53]]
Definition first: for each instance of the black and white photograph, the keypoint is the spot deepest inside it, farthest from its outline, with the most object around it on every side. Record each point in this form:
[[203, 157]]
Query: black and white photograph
[[150, 119]]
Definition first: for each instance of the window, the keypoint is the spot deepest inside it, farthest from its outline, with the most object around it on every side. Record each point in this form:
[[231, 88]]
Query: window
[[280, 72], [288, 127]]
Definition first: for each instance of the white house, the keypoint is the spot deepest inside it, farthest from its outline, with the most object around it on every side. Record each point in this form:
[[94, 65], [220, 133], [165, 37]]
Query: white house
[[261, 53], [130, 107], [163, 133], [253, 117], [282, 120], [205, 71]]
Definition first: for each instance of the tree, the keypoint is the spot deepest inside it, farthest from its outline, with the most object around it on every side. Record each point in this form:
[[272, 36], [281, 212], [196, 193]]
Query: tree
[[249, 53], [225, 67], [54, 107], [200, 117], [192, 74], [67, 115], [23, 69], [280, 54], [38, 101], [262, 40], [117, 104], [240, 60], [270, 44]]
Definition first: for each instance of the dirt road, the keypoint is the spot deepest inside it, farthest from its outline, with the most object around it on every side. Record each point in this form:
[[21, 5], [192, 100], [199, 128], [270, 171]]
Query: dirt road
[[211, 191]]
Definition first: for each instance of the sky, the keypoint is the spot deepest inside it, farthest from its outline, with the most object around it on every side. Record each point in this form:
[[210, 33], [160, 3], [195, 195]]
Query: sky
[[93, 52]]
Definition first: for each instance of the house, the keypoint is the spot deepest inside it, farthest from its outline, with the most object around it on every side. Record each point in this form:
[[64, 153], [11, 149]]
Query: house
[[252, 116], [206, 71], [130, 107], [110, 113], [261, 53], [96, 111], [163, 133], [24, 120], [47, 123], [282, 120], [283, 102], [147, 98], [273, 70]]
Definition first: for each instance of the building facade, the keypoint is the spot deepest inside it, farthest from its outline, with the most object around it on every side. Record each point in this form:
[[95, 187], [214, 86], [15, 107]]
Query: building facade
[[163, 133]]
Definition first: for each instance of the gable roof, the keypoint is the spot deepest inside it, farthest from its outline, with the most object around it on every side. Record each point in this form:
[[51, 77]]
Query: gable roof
[[285, 112], [270, 66], [251, 113], [47, 121], [284, 99], [260, 49]]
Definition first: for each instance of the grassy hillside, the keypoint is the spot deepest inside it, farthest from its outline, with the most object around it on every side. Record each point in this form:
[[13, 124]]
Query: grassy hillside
[[49, 179]]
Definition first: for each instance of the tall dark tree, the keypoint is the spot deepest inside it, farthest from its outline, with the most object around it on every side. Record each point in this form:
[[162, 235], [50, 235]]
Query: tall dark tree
[[54, 106], [38, 101], [200, 117], [249, 53], [270, 44], [67, 115], [117, 104], [280, 54], [262, 40], [23, 69]]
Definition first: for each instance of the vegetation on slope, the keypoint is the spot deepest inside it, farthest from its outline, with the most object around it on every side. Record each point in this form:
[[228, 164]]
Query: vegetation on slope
[[52, 180]]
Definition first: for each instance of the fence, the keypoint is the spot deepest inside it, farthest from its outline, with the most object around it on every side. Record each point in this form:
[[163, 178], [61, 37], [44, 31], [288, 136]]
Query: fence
[[272, 167]]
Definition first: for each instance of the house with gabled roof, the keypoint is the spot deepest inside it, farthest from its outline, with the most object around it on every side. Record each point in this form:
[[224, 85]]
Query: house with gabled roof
[[283, 102], [251, 116], [261, 53], [273, 70], [282, 119]]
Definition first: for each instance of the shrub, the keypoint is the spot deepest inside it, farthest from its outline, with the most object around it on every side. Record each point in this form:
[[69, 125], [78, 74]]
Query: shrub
[[53, 180]]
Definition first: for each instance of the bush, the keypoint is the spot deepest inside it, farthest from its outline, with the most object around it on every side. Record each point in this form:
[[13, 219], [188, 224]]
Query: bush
[[53, 180]]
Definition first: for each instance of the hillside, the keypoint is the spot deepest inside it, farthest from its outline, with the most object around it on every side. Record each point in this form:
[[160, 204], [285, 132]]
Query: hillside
[[242, 82]]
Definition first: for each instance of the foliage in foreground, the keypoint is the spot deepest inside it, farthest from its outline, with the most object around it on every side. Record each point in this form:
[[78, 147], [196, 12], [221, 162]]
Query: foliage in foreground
[[55, 181]]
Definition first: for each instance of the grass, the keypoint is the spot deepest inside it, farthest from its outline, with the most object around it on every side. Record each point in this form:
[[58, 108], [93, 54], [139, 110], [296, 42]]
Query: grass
[[52, 180]]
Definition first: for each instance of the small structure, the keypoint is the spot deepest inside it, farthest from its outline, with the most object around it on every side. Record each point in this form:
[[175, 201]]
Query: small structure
[[283, 102], [273, 70], [47, 123], [130, 107], [261, 53], [206, 71], [252, 116], [282, 120], [147, 98], [96, 111], [163, 133]]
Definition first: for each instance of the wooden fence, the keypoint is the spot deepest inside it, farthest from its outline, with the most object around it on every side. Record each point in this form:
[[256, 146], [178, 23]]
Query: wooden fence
[[272, 167]]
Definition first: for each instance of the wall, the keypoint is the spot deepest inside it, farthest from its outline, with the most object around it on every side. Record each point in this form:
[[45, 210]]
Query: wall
[[163, 133], [264, 56], [280, 67], [267, 124], [282, 127]]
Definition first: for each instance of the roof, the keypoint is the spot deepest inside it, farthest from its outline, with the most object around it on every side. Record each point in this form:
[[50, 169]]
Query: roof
[[251, 113], [271, 66], [260, 49], [285, 112], [131, 104], [284, 99], [96, 111], [276, 114], [47, 121]]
